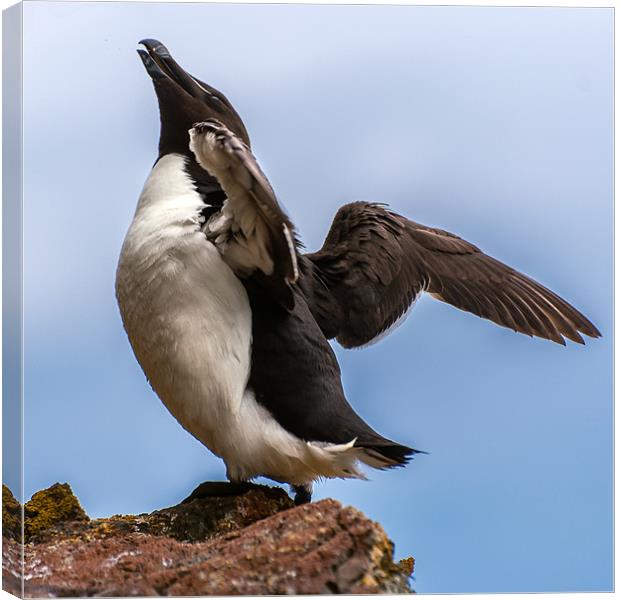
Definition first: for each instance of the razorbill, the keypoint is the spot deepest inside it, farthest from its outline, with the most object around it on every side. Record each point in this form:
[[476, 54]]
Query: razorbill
[[230, 320]]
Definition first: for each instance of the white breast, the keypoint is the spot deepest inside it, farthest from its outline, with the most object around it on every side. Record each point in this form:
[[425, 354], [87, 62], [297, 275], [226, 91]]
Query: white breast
[[186, 314], [189, 322]]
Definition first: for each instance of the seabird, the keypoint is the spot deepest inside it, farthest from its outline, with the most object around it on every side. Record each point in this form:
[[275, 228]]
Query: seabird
[[230, 320]]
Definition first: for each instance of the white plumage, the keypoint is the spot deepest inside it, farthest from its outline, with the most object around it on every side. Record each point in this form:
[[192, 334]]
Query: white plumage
[[188, 319], [237, 230]]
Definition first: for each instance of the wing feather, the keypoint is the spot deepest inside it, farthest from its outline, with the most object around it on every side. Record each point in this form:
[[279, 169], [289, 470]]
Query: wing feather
[[375, 263], [252, 231]]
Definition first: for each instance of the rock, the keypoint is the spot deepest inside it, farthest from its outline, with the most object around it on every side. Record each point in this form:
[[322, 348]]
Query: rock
[[11, 515], [252, 543], [50, 507], [191, 521]]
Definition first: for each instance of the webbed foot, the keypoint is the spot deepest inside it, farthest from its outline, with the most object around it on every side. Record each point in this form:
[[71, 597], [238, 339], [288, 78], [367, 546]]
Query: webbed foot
[[303, 493]]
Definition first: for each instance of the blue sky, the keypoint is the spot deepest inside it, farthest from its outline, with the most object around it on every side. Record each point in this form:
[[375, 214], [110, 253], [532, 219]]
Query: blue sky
[[493, 123]]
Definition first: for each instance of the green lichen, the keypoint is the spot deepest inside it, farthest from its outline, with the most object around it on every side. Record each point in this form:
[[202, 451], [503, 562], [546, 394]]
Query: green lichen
[[390, 577], [51, 507], [11, 515], [407, 565]]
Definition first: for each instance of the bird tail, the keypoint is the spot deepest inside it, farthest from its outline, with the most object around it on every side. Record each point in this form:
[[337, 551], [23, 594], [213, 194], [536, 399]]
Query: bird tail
[[386, 455]]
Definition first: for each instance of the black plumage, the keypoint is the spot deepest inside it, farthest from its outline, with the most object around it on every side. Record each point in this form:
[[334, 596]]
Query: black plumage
[[375, 262], [295, 375], [372, 266]]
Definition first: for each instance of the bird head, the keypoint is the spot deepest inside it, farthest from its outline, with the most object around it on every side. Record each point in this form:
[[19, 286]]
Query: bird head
[[184, 100]]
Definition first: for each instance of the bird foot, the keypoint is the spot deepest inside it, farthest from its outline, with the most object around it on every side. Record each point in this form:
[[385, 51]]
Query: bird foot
[[303, 493], [219, 489]]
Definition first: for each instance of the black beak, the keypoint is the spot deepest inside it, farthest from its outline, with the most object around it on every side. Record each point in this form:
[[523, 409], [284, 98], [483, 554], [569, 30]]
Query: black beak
[[151, 66], [173, 85], [159, 63], [155, 46]]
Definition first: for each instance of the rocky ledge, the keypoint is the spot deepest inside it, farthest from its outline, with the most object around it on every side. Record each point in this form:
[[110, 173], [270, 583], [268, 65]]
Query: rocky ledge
[[253, 542]]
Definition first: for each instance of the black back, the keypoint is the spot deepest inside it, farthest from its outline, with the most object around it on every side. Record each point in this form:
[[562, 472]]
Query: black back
[[296, 376]]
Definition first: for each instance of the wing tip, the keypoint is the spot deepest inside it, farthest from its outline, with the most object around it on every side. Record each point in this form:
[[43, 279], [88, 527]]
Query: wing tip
[[591, 331], [575, 335]]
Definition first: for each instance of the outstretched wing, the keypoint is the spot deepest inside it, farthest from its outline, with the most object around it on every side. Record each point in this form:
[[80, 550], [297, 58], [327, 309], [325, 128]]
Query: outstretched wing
[[374, 264], [251, 231]]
